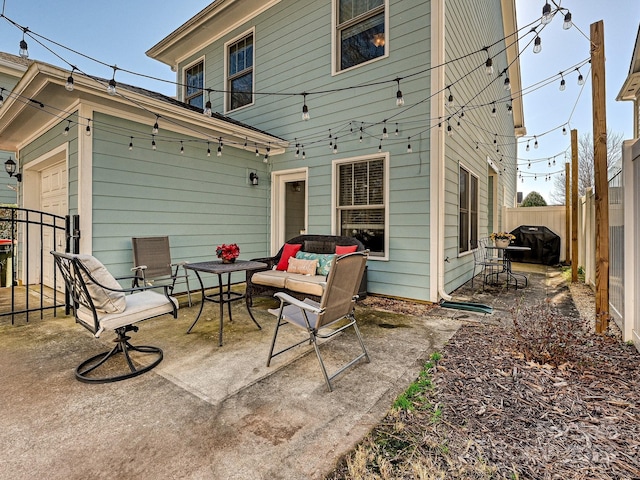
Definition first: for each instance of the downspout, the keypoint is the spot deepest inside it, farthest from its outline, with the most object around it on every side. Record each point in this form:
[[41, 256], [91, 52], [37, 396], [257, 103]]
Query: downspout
[[437, 157]]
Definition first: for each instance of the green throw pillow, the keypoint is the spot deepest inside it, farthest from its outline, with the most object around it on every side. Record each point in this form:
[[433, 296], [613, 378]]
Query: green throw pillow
[[324, 260]]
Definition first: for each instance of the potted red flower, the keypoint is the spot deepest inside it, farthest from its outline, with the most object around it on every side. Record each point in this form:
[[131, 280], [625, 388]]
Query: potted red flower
[[228, 253]]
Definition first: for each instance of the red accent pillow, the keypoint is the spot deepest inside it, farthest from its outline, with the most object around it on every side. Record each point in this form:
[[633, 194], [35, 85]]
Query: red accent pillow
[[342, 249], [289, 250]]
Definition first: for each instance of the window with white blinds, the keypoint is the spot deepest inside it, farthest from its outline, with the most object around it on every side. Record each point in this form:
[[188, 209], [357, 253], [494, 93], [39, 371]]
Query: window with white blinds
[[361, 203]]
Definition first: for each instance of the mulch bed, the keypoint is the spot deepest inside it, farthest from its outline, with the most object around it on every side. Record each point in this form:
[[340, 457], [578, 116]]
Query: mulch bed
[[495, 410]]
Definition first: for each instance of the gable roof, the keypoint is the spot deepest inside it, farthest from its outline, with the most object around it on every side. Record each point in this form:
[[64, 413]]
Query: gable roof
[[40, 100], [204, 28]]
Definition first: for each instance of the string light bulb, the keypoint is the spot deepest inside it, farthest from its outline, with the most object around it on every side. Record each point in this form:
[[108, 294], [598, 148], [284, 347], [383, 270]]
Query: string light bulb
[[546, 13], [537, 44], [111, 88], [563, 84], [24, 48], [208, 149], [67, 128], [1, 97], [567, 21], [399, 97], [409, 149], [69, 85], [488, 66], [397, 131], [510, 107], [207, 106], [219, 152], [153, 142], [535, 143], [580, 78], [450, 98], [181, 148], [528, 148], [385, 134], [564, 130], [494, 113], [87, 131], [507, 83], [155, 128], [131, 144], [305, 109]]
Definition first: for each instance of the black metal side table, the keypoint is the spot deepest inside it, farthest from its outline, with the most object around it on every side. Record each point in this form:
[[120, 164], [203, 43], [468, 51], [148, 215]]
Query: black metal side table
[[223, 295]]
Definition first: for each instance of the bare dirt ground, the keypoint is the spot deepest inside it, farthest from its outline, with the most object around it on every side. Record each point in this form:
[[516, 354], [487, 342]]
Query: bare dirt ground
[[543, 399]]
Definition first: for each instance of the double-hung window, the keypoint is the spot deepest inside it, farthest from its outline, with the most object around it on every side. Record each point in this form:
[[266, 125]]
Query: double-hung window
[[194, 85], [468, 211], [360, 31], [361, 202], [240, 73]]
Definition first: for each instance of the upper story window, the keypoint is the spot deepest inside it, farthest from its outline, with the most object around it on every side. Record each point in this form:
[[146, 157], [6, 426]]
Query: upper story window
[[361, 202], [240, 73], [360, 31], [468, 211], [194, 85]]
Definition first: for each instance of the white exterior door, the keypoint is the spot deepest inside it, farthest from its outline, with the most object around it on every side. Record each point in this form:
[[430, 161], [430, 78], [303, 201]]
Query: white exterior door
[[289, 206], [53, 199]]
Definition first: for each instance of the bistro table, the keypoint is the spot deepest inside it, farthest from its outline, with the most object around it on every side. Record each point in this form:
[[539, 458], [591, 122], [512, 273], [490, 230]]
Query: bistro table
[[507, 263], [223, 295]]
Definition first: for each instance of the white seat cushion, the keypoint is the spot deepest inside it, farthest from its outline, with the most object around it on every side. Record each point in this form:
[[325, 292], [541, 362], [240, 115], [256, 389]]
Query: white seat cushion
[[270, 278], [310, 285], [139, 306]]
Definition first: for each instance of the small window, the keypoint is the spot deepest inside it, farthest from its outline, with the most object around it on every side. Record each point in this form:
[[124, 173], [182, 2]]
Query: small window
[[468, 211], [361, 203], [194, 85], [240, 73], [360, 31]]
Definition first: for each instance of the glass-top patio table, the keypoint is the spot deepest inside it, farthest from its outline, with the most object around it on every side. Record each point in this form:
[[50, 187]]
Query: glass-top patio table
[[504, 251], [223, 295]]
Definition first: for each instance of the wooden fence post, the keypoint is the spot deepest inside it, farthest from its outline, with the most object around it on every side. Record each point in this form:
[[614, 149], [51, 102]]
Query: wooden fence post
[[600, 175]]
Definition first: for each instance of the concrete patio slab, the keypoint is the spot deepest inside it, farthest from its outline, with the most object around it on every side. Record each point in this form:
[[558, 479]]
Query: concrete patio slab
[[206, 412]]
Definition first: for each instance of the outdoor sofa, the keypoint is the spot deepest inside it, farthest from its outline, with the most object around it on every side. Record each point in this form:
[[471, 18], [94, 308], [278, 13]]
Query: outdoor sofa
[[279, 276]]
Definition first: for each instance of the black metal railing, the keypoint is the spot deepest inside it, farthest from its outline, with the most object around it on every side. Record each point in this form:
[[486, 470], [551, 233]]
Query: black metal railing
[[33, 235]]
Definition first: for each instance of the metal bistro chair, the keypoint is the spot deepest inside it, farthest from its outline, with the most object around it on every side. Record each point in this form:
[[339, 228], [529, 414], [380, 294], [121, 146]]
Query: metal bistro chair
[[321, 320], [489, 265], [99, 303], [152, 264]]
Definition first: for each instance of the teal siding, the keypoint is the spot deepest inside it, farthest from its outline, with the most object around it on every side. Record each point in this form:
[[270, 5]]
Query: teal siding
[[199, 201], [481, 20], [293, 54], [7, 195], [50, 140]]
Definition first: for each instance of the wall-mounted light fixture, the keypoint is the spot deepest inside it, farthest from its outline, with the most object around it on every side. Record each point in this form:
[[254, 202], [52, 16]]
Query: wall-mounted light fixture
[[253, 178], [10, 168]]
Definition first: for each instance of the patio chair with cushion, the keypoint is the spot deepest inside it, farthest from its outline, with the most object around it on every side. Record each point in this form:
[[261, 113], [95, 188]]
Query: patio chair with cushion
[[152, 264], [99, 303], [331, 316]]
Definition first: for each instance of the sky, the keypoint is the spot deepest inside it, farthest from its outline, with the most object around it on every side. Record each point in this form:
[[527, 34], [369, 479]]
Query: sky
[[119, 33]]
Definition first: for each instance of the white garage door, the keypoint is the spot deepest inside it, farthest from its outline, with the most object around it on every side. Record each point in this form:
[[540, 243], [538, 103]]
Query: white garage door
[[53, 199]]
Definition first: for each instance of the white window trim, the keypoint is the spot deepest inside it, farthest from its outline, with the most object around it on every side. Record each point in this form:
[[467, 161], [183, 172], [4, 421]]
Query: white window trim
[[473, 174], [334, 195], [334, 40], [252, 32], [183, 95]]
